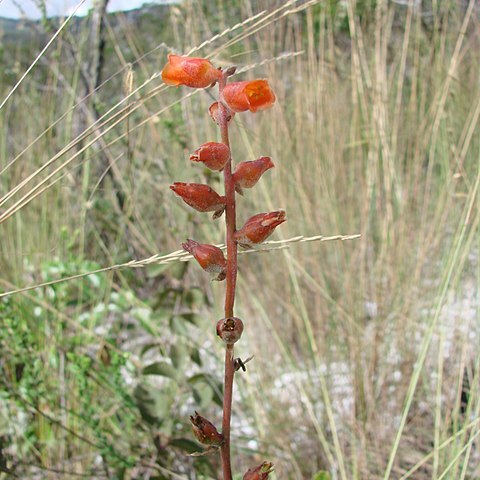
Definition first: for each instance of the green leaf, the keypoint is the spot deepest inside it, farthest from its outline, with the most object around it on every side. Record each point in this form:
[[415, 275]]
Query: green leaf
[[144, 316], [322, 475], [203, 394], [195, 356], [188, 446], [157, 269], [177, 324], [149, 346], [192, 318], [178, 355], [160, 368], [209, 380], [154, 405], [178, 270], [196, 298]]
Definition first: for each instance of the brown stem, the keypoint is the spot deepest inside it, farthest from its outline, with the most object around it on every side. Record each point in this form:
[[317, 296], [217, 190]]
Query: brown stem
[[230, 287]]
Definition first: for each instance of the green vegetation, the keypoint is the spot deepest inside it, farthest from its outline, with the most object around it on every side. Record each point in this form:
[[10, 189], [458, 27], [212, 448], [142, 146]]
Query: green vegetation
[[372, 350]]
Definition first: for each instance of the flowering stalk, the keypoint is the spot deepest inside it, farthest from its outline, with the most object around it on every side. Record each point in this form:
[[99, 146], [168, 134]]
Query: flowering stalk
[[231, 280], [234, 97]]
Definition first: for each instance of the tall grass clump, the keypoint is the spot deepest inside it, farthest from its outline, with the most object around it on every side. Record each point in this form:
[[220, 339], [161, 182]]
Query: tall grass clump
[[372, 365]]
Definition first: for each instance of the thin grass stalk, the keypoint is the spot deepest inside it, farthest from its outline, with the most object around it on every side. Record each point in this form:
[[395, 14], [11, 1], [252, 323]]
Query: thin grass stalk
[[453, 257], [445, 444], [465, 448]]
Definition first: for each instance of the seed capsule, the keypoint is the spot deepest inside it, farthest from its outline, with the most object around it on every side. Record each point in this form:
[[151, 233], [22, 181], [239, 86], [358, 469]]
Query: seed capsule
[[214, 112], [259, 473], [230, 329], [214, 155], [247, 174], [200, 197], [259, 227], [205, 431], [209, 257]]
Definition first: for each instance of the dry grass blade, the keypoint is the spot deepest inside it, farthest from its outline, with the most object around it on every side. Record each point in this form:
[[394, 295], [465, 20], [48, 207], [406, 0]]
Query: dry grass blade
[[182, 256]]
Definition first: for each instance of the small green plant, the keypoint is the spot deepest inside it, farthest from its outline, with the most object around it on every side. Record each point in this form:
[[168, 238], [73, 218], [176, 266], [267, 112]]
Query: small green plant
[[233, 98]]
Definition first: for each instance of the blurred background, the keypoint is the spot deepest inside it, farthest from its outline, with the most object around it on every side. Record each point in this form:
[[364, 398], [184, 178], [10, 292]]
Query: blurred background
[[366, 350]]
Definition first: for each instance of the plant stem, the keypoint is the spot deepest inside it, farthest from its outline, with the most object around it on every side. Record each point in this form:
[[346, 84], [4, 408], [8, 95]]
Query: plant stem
[[227, 413], [231, 279]]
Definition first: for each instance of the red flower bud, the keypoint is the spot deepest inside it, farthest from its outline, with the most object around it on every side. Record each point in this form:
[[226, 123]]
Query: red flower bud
[[191, 72], [214, 112], [259, 473], [209, 257], [205, 431], [200, 197], [249, 95], [230, 329], [247, 174], [259, 227], [214, 155]]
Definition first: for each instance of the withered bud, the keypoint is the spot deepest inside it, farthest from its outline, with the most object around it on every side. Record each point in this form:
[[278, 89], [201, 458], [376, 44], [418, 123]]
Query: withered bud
[[259, 227], [200, 197], [230, 329], [259, 473], [209, 257], [231, 71], [205, 431], [213, 154], [247, 174], [214, 112]]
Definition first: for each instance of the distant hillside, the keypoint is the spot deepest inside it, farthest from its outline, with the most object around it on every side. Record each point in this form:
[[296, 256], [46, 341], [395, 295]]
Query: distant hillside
[[12, 30], [19, 31]]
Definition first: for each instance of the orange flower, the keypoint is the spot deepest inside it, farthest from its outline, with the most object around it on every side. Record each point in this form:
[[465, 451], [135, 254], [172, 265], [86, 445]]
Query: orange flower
[[259, 473], [259, 227], [200, 197], [247, 174], [209, 257], [248, 95], [191, 72], [205, 431], [214, 155]]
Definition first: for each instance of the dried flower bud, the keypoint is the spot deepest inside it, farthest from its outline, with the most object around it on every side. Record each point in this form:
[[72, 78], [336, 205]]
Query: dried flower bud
[[209, 257], [191, 72], [231, 71], [247, 174], [214, 112], [259, 473], [248, 95], [230, 329], [259, 227], [200, 197], [214, 155], [205, 431]]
